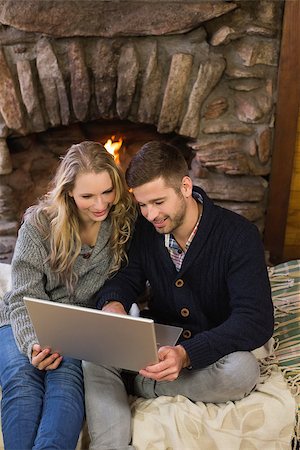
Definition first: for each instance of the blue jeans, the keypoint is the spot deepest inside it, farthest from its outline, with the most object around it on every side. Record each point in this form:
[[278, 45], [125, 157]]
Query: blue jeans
[[39, 409], [107, 409]]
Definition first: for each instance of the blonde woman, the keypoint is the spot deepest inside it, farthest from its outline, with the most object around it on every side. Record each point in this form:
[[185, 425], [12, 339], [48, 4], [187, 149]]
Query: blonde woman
[[68, 245]]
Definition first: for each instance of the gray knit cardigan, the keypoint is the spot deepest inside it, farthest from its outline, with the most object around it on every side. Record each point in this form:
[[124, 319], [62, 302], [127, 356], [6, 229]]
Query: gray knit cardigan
[[32, 276]]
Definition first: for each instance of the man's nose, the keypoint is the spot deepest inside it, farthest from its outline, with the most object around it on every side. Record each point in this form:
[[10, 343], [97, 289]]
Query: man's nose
[[151, 213]]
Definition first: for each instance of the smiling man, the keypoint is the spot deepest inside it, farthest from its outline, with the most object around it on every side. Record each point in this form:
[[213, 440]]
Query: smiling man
[[206, 269]]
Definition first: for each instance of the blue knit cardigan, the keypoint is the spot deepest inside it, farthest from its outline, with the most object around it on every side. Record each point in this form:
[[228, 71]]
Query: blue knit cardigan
[[223, 300]]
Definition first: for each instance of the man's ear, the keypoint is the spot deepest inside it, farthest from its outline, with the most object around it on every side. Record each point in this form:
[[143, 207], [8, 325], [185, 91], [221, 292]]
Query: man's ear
[[186, 186]]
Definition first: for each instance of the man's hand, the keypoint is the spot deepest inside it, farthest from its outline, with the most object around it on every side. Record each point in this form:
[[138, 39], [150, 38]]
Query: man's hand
[[171, 361], [114, 307], [42, 359]]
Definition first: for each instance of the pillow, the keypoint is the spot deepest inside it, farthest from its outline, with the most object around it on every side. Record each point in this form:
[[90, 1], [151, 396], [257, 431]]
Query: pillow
[[5, 279]]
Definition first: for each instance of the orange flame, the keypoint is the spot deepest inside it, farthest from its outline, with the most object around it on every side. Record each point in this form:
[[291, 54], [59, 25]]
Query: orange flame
[[113, 146]]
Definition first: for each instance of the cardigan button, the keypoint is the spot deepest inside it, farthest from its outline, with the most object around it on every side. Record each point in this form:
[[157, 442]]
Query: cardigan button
[[184, 312], [186, 334], [179, 283], [86, 255]]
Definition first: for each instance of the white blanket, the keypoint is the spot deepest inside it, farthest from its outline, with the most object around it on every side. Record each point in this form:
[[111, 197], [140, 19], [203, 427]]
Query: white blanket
[[262, 421]]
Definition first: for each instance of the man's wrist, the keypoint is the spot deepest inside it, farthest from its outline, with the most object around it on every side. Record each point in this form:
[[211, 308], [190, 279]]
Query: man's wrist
[[111, 302], [185, 358], [114, 306]]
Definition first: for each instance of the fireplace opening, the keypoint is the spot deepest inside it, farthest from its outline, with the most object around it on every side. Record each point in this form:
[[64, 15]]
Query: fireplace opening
[[36, 156]]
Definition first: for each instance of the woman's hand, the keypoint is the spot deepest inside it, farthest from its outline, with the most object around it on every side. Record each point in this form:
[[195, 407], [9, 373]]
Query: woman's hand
[[43, 359]]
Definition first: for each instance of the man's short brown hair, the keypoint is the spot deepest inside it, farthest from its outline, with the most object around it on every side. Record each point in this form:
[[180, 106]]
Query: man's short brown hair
[[154, 160]]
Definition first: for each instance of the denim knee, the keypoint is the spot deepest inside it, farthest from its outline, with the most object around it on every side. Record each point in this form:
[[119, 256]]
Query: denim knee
[[69, 370], [240, 373], [66, 381], [63, 407], [230, 378]]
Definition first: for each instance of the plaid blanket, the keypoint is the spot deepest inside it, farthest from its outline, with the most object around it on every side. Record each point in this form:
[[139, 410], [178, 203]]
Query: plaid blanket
[[285, 284]]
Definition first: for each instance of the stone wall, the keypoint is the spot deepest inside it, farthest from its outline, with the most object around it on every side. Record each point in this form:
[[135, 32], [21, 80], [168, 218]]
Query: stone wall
[[204, 70]]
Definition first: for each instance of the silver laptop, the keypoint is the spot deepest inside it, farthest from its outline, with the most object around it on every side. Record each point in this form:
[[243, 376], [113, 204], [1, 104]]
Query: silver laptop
[[103, 338]]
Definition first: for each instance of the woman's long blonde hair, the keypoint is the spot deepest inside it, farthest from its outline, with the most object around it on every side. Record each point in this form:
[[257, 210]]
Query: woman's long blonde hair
[[61, 211]]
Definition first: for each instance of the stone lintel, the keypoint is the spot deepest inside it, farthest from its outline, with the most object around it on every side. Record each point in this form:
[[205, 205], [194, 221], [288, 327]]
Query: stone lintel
[[109, 18]]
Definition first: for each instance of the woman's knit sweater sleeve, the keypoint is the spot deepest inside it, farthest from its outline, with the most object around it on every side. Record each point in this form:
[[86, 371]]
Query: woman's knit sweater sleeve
[[27, 279]]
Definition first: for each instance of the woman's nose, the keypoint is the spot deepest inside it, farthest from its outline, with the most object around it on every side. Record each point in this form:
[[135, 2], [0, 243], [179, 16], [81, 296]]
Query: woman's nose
[[99, 202]]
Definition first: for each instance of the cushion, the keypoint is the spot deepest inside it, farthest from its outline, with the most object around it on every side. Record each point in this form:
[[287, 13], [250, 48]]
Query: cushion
[[5, 278]]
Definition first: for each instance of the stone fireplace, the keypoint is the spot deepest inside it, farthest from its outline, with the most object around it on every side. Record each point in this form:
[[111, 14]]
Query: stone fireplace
[[201, 74]]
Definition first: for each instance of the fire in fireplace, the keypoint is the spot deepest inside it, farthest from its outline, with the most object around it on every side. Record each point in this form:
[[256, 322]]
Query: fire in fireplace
[[115, 146]]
